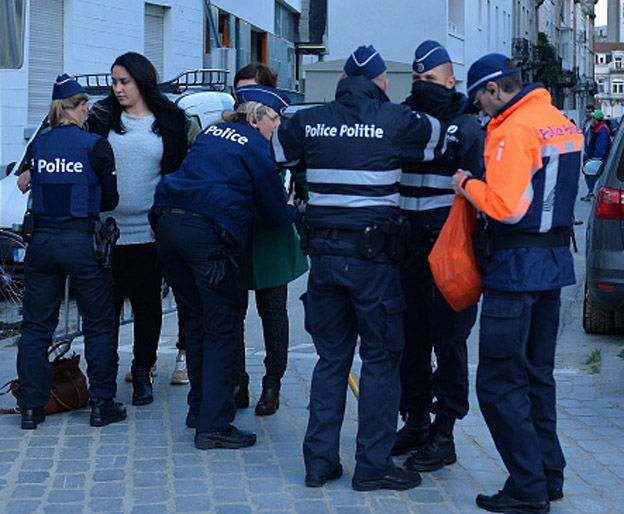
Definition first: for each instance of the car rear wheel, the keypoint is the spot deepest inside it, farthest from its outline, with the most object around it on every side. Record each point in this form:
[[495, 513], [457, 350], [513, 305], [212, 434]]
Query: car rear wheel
[[595, 319], [618, 317]]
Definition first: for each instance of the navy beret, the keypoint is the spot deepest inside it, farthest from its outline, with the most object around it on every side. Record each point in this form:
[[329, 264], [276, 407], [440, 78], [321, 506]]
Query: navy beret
[[266, 95], [365, 61], [487, 68], [428, 55], [66, 86]]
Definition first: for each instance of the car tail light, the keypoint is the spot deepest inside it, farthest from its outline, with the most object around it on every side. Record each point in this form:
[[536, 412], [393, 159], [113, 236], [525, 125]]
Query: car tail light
[[609, 204], [605, 287]]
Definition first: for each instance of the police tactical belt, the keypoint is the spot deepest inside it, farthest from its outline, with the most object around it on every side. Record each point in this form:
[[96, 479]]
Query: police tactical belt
[[225, 236], [183, 212], [79, 225], [335, 234], [547, 240], [389, 237]]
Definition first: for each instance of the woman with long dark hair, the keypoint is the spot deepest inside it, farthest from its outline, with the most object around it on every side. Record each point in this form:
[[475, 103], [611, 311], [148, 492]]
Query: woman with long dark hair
[[148, 134]]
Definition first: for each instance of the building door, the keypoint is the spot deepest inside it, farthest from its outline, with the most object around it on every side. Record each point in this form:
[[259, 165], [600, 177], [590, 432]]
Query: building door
[[154, 36], [45, 57]]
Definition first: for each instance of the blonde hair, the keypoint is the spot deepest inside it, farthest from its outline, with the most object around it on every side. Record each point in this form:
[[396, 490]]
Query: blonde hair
[[245, 111], [58, 114]]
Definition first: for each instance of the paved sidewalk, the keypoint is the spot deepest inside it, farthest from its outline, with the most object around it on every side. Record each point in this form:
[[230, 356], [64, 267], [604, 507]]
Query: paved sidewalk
[[148, 463]]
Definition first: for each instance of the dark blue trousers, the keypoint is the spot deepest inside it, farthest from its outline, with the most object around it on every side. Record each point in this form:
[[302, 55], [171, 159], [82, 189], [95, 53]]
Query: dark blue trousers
[[432, 324], [349, 297], [210, 313], [51, 256], [516, 387]]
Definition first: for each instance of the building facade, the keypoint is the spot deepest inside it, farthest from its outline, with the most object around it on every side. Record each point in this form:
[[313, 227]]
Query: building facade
[[610, 78], [242, 31], [85, 36], [554, 43]]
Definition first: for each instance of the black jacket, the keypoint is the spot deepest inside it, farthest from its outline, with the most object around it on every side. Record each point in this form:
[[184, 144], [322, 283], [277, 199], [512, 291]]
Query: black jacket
[[426, 192], [171, 126]]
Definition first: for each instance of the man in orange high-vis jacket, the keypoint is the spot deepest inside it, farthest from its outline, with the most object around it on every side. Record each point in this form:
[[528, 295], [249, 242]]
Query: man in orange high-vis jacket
[[532, 160]]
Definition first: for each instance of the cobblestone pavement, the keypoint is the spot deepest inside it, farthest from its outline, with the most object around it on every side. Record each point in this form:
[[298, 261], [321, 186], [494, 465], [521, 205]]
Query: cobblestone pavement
[[148, 464]]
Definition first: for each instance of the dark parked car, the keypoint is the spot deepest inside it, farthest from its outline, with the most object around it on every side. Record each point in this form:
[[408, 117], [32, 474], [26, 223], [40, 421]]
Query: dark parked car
[[603, 306]]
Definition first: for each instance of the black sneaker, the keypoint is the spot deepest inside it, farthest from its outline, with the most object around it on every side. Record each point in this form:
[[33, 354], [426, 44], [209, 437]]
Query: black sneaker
[[439, 451], [555, 494], [312, 480], [397, 480], [231, 439], [501, 502], [106, 411]]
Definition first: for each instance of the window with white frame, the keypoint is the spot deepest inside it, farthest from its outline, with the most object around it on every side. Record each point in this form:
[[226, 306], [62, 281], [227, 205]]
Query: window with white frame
[[617, 87], [602, 85], [601, 59]]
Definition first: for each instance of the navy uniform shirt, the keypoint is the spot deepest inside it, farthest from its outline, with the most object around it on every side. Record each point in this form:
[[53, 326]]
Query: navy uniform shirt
[[227, 172], [353, 149]]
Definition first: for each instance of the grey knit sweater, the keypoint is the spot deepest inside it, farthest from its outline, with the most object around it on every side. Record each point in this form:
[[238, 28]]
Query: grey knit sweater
[[138, 153]]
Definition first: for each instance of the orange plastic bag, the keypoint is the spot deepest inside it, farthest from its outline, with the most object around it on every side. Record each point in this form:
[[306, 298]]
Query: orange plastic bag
[[452, 259]]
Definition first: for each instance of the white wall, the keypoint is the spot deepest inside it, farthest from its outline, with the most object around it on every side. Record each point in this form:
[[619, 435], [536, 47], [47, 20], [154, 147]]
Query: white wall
[[393, 27], [397, 27], [95, 33]]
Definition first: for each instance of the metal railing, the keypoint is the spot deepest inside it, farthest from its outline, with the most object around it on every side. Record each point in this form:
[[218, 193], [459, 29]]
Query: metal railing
[[70, 322]]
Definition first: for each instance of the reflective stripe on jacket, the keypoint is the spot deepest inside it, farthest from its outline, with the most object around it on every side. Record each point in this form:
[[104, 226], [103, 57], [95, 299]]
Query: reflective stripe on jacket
[[533, 159], [353, 149]]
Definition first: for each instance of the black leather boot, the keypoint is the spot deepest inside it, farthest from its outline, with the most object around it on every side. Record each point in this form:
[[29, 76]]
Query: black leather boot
[[268, 403], [106, 411], [142, 386], [32, 417], [439, 450], [414, 433], [241, 396]]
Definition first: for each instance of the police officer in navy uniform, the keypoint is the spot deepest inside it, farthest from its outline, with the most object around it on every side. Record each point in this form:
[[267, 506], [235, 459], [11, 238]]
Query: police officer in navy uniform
[[430, 322], [353, 149], [202, 213], [72, 177]]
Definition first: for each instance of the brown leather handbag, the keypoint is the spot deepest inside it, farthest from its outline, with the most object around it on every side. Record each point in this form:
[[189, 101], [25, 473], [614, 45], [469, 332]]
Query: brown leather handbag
[[69, 385]]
